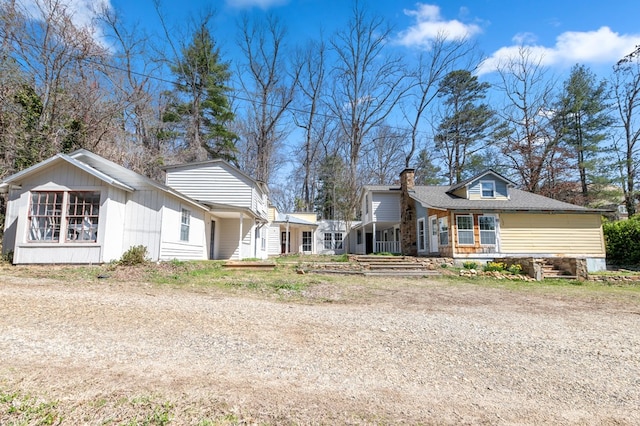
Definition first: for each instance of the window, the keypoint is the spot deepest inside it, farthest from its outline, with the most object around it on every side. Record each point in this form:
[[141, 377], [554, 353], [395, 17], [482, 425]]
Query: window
[[82, 216], [184, 225], [337, 240], [488, 189], [306, 241], [359, 236], [72, 214], [333, 241], [45, 216], [443, 226], [421, 236], [487, 226], [465, 230], [328, 240]]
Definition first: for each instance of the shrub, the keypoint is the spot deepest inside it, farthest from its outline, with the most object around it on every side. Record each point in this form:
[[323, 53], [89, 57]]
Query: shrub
[[622, 239], [495, 266], [470, 265], [136, 255], [515, 269]]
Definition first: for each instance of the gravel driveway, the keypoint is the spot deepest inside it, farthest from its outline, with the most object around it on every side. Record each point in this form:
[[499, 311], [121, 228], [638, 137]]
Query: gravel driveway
[[358, 352]]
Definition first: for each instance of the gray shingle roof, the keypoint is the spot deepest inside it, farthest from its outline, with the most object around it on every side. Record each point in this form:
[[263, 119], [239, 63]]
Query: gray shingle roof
[[438, 197]]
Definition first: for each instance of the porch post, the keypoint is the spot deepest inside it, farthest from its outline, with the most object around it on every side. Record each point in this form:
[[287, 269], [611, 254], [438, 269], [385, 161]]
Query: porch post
[[374, 238], [286, 247], [240, 237]]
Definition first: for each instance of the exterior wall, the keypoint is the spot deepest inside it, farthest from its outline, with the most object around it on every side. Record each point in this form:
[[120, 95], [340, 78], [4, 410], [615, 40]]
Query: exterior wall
[[332, 226], [309, 217], [229, 248], [476, 247], [214, 183], [114, 212], [273, 240], [474, 191], [552, 234], [171, 247], [143, 221], [444, 250], [66, 178], [385, 207]]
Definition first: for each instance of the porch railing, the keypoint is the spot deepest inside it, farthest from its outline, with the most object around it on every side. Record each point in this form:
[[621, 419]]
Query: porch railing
[[387, 246]]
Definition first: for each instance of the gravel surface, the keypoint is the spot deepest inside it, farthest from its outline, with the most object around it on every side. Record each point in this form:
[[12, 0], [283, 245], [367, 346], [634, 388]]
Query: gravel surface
[[374, 351]]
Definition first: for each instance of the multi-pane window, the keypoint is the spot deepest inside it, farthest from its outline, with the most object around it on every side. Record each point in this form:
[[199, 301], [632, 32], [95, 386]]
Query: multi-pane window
[[72, 214], [488, 189], [45, 216], [82, 216], [487, 226], [333, 240], [306, 241], [443, 226], [421, 235], [184, 225], [465, 230]]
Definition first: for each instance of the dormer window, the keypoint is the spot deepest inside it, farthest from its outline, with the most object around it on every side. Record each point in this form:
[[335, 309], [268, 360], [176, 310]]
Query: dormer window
[[488, 189]]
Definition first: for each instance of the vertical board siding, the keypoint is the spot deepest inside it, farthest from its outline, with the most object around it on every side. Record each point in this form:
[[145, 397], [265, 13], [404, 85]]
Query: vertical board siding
[[562, 234], [273, 240], [386, 207], [213, 183], [113, 216], [142, 225]]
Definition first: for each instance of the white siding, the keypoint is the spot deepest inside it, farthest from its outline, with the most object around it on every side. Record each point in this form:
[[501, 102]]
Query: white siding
[[143, 219], [171, 245], [386, 207], [229, 236], [213, 183], [273, 241], [113, 212]]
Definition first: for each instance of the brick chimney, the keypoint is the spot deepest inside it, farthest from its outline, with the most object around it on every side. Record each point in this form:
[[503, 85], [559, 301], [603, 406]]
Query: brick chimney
[[408, 226]]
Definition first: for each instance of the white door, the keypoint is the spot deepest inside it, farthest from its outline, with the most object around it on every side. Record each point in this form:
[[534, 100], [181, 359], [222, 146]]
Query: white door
[[433, 234]]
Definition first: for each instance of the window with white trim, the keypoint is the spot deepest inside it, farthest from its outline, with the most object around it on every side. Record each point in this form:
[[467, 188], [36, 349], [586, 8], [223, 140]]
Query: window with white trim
[[73, 214], [337, 240], [488, 189], [185, 223], [464, 223], [487, 225], [333, 240], [306, 241], [443, 227], [421, 235]]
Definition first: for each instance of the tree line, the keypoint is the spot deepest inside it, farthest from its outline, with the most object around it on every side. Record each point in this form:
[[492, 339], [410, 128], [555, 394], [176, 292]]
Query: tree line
[[315, 119]]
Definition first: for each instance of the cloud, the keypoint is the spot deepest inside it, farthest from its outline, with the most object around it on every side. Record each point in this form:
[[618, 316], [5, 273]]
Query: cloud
[[262, 4], [83, 14], [430, 24], [602, 46]]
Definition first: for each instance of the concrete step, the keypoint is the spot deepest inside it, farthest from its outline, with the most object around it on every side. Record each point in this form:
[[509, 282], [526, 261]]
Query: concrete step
[[249, 265]]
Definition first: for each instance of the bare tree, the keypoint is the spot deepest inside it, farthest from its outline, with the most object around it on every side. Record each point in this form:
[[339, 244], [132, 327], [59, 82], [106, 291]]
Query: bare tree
[[382, 157], [368, 84], [269, 88], [532, 140], [444, 55], [626, 92], [309, 114]]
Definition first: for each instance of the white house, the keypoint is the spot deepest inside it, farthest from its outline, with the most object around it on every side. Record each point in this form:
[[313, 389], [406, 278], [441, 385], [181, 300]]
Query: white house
[[82, 208]]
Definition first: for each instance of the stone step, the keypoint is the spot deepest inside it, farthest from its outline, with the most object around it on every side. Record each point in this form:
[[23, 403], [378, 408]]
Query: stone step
[[400, 273], [249, 265]]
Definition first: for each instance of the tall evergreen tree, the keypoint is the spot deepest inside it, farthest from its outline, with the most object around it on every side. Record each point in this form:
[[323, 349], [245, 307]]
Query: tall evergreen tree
[[466, 124], [584, 119], [199, 102]]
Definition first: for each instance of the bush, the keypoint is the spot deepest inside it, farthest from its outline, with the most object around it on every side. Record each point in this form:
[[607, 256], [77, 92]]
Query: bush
[[515, 269], [622, 239], [136, 255], [495, 266], [470, 265]]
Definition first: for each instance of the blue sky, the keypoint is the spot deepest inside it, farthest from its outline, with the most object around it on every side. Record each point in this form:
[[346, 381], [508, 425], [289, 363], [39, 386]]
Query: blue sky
[[564, 32]]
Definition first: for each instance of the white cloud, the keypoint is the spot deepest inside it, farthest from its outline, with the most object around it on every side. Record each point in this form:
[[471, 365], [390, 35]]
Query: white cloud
[[82, 13], [262, 4], [430, 24], [602, 46]]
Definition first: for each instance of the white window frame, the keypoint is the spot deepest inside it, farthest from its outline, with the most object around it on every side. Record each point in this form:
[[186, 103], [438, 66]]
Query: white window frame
[[493, 188], [185, 224], [494, 231], [443, 230], [421, 235], [466, 231], [337, 240], [307, 241]]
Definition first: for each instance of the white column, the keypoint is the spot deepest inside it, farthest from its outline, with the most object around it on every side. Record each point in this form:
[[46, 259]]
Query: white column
[[374, 237], [240, 237]]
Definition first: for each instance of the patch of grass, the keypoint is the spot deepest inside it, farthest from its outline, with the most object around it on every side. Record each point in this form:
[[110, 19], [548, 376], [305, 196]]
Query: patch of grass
[[18, 409]]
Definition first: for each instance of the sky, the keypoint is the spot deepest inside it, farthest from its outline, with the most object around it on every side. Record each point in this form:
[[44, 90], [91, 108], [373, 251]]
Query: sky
[[563, 32]]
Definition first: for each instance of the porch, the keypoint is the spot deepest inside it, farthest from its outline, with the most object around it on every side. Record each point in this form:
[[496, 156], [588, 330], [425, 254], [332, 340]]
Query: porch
[[378, 237]]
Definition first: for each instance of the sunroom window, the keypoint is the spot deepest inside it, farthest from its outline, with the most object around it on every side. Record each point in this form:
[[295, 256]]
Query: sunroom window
[[73, 214]]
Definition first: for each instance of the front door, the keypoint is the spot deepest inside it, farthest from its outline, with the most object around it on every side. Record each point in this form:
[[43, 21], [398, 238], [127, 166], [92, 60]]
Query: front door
[[433, 234], [285, 238]]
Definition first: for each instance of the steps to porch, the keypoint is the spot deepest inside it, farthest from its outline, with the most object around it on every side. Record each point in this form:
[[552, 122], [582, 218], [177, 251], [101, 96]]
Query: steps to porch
[[250, 265], [551, 271], [375, 265]]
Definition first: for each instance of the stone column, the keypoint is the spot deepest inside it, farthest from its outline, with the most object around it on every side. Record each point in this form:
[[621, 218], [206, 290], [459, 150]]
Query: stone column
[[408, 225]]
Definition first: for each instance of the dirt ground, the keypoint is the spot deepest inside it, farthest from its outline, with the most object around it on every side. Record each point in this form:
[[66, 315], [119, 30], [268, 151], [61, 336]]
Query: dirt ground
[[347, 351]]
